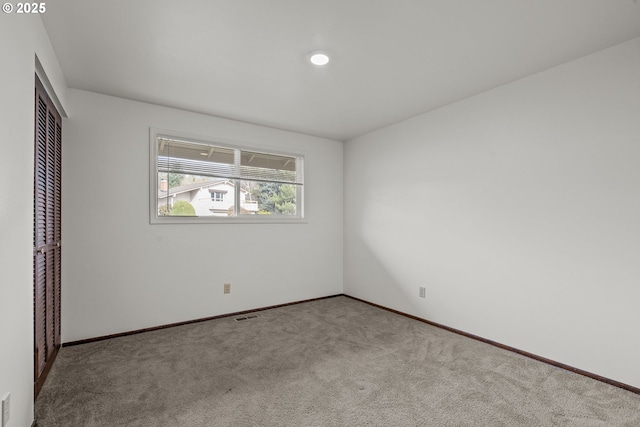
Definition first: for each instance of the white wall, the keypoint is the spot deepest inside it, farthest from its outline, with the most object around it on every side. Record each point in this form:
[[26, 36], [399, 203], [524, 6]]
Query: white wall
[[120, 273], [21, 38], [518, 210]]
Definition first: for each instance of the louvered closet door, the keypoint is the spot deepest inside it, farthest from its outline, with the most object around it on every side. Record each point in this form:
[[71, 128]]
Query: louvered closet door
[[47, 235]]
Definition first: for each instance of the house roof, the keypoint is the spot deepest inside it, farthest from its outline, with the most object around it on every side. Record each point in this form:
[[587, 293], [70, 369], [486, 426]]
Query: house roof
[[190, 187], [195, 186]]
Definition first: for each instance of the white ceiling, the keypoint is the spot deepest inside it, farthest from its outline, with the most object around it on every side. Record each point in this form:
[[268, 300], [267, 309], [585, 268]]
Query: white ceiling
[[391, 59]]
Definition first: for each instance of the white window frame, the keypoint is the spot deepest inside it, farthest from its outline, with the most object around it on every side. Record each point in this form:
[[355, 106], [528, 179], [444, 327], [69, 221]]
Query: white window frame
[[154, 218], [217, 196]]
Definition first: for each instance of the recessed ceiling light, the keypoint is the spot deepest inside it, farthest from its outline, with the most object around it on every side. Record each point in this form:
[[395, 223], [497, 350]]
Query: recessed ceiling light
[[318, 58]]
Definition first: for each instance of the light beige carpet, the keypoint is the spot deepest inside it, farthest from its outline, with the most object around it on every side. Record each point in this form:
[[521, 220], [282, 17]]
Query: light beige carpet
[[332, 362]]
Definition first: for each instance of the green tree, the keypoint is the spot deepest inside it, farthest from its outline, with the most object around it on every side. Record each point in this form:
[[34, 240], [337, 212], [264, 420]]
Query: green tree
[[175, 179], [265, 194], [275, 198], [285, 200]]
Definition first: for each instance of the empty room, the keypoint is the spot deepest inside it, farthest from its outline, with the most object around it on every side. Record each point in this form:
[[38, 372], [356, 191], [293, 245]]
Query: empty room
[[320, 213]]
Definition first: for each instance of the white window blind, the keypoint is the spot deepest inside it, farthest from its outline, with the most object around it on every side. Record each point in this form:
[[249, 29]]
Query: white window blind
[[194, 158]]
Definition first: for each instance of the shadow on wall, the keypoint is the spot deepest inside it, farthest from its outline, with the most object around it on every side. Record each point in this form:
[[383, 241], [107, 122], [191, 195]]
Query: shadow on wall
[[392, 251], [377, 269]]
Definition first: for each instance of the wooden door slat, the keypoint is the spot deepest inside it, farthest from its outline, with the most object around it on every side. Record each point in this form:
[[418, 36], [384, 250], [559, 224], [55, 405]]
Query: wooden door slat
[[47, 234]]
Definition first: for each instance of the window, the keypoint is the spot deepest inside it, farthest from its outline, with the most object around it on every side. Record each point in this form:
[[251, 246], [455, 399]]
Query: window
[[201, 181], [217, 196]]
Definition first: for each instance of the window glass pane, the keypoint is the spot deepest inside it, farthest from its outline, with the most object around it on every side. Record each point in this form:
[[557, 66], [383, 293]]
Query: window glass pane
[[175, 156], [208, 180], [194, 195], [267, 198], [267, 167]]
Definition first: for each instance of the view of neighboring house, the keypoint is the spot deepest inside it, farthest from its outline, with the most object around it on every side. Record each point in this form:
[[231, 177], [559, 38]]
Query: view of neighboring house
[[211, 198]]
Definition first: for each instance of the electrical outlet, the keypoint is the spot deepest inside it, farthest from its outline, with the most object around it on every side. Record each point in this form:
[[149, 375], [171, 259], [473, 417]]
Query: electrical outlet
[[227, 288], [423, 292], [6, 409]]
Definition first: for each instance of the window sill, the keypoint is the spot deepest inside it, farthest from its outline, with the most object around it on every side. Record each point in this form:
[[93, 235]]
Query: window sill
[[223, 220]]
